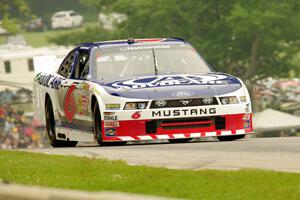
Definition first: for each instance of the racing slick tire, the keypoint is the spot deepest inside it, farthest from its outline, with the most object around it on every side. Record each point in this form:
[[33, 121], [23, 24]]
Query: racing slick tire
[[230, 137], [183, 140], [98, 130], [50, 128]]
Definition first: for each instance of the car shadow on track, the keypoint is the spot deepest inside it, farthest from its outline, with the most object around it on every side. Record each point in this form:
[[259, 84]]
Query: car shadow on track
[[140, 143]]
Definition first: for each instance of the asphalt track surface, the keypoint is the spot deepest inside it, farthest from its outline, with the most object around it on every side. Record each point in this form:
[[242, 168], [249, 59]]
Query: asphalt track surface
[[280, 154]]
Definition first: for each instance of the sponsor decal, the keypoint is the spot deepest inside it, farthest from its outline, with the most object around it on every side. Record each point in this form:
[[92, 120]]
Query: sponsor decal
[[112, 106], [161, 103], [69, 104], [247, 109], [208, 100], [57, 117], [185, 102], [82, 105], [246, 117], [247, 121], [243, 99], [184, 112], [111, 124], [83, 86], [110, 132], [137, 48], [110, 116], [49, 80], [136, 115], [246, 124], [37, 77], [175, 80], [183, 93]]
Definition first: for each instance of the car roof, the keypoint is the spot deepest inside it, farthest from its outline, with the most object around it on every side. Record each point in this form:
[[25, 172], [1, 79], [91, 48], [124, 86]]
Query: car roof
[[129, 41]]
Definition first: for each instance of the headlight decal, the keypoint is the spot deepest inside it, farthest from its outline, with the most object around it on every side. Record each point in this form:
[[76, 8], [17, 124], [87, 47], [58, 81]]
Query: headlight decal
[[136, 105], [228, 100]]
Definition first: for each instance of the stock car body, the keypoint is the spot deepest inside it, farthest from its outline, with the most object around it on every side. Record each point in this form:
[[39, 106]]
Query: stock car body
[[140, 89]]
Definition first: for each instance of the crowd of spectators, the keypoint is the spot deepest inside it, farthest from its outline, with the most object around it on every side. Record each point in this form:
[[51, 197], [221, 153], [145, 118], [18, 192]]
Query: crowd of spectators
[[18, 130], [279, 94]]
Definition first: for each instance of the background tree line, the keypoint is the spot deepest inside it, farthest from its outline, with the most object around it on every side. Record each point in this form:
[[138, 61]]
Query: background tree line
[[252, 39]]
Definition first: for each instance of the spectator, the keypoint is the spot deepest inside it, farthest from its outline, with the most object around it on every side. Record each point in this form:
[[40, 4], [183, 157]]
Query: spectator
[[18, 131]]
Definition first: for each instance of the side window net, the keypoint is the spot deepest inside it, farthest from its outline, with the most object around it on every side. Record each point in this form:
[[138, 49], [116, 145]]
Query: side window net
[[82, 66], [65, 67]]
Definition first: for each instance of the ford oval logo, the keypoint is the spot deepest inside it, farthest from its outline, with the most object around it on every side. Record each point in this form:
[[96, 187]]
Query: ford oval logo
[[183, 93]]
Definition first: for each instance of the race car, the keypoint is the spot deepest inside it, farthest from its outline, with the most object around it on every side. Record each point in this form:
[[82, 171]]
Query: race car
[[140, 90]]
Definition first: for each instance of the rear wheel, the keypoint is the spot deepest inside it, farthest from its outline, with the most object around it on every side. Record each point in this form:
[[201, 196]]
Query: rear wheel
[[50, 129], [230, 137], [183, 140]]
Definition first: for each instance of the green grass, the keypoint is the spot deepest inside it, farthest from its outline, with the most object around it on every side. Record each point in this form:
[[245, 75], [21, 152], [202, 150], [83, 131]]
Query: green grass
[[96, 175], [40, 39]]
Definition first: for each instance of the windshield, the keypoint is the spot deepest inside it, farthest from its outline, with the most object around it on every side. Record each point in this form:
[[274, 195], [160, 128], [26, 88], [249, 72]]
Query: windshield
[[143, 60]]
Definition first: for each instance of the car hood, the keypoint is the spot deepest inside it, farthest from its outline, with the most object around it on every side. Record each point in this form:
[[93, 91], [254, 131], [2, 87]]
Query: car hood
[[173, 86]]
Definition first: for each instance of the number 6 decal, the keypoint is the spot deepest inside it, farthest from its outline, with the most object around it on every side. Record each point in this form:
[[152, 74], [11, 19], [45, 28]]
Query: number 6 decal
[[136, 115], [69, 104]]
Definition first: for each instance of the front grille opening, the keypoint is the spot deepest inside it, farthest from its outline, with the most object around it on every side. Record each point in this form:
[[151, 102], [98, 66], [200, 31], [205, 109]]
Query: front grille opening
[[190, 119], [151, 126], [183, 123], [220, 122]]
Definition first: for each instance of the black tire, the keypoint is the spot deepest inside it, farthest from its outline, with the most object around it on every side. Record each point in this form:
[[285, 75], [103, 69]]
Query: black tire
[[97, 126], [50, 128], [230, 137], [183, 140]]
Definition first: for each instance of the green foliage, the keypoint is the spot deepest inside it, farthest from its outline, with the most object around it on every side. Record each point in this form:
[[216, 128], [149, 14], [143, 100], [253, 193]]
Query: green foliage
[[252, 39], [266, 29], [9, 22], [11, 25], [103, 175], [80, 36]]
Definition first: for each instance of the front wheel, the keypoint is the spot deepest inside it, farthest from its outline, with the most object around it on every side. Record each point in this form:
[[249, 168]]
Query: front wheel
[[230, 137], [97, 125], [50, 129]]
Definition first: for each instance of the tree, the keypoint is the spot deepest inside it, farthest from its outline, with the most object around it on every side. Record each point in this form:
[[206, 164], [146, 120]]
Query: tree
[[252, 39], [265, 36], [8, 21]]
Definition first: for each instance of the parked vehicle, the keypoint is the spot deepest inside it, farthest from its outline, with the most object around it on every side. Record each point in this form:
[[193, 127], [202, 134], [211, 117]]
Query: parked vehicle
[[66, 19], [35, 25]]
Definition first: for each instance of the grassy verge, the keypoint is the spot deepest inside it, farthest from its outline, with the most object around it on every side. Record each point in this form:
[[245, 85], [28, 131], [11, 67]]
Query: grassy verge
[[96, 175], [40, 39]]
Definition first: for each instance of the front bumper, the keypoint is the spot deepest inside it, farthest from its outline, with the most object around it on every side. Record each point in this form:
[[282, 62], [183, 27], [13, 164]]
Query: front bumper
[[176, 128]]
